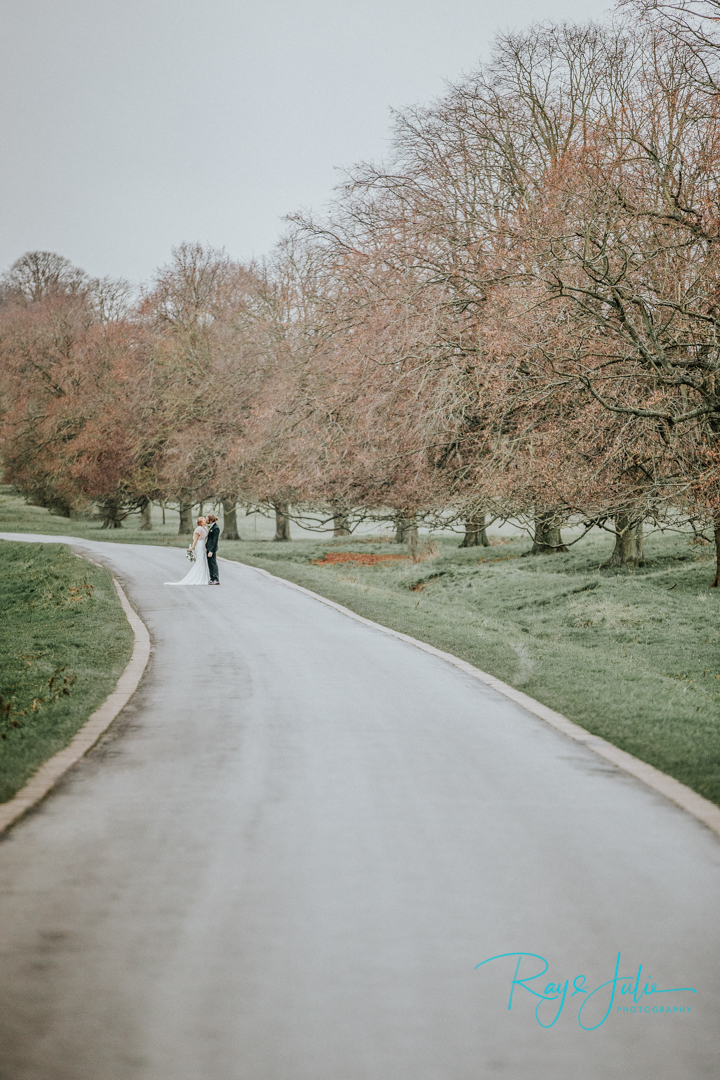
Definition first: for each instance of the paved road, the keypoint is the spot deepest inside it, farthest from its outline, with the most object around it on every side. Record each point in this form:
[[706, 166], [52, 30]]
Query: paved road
[[297, 842]]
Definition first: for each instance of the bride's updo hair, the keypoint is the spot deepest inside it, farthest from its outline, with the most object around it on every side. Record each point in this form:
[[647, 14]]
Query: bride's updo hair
[[200, 521]]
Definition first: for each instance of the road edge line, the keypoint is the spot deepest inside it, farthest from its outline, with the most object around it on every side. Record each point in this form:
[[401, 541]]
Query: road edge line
[[42, 782], [688, 800]]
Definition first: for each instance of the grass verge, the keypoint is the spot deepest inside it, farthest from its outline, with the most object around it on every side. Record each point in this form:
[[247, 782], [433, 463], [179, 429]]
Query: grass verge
[[64, 642]]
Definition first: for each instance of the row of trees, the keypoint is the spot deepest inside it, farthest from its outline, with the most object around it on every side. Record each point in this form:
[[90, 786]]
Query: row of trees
[[516, 315]]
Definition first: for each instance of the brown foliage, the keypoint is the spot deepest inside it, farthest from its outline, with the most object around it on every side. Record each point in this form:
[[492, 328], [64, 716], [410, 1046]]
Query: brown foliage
[[516, 314]]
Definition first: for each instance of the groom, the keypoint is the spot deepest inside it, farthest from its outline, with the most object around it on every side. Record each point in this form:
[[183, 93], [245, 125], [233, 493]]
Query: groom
[[211, 546]]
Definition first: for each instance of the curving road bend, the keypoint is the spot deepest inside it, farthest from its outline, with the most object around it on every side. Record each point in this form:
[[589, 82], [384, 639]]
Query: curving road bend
[[298, 840]]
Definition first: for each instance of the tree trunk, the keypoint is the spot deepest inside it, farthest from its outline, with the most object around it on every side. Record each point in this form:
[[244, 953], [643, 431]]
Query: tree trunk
[[282, 521], [52, 502], [341, 524], [146, 516], [163, 510], [406, 530], [230, 527], [628, 549], [547, 539], [186, 526], [716, 582], [475, 535], [60, 509], [110, 513]]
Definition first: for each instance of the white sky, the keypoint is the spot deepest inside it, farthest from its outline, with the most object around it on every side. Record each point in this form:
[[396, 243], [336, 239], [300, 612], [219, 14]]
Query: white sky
[[128, 126]]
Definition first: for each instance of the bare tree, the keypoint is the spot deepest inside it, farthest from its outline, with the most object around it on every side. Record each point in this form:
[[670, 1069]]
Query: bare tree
[[40, 274]]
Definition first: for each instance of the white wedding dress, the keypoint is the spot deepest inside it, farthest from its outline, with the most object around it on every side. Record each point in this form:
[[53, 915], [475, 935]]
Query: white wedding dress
[[199, 573]]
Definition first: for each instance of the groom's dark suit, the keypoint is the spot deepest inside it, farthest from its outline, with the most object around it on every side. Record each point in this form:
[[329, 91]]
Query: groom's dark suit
[[211, 546]]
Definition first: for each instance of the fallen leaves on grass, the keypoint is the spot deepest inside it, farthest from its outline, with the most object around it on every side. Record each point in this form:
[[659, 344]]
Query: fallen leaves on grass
[[331, 557]]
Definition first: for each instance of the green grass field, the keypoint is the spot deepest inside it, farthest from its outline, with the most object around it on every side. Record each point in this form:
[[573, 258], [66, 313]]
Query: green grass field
[[631, 655], [64, 641]]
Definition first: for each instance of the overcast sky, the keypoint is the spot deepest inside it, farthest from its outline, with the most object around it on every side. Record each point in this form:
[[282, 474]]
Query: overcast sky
[[128, 126]]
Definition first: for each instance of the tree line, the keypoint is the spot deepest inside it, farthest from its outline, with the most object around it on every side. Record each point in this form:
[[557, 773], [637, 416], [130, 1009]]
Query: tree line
[[515, 315]]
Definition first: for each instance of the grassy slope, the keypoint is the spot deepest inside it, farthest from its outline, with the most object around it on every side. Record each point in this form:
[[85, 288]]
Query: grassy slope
[[64, 641], [631, 655]]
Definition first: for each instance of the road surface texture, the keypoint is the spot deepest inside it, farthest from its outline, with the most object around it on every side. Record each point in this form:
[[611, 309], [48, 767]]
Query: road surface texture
[[289, 854]]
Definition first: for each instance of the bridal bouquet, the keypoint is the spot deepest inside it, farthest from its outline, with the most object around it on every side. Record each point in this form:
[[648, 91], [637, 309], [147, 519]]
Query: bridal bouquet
[[190, 555]]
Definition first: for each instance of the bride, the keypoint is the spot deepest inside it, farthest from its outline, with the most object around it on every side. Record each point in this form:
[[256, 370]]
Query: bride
[[199, 573]]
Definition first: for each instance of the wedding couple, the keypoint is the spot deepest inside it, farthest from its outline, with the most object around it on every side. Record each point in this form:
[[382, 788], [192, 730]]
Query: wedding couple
[[204, 570]]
